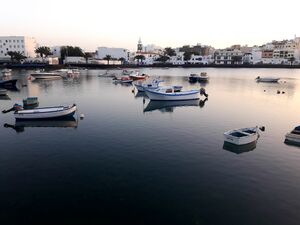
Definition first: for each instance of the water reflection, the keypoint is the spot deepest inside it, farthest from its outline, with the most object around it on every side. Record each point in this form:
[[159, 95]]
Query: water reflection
[[19, 126], [4, 97], [239, 149], [168, 106]]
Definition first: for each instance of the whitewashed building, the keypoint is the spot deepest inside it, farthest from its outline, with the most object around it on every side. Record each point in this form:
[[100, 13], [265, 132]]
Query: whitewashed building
[[201, 60], [56, 51], [115, 53], [24, 45]]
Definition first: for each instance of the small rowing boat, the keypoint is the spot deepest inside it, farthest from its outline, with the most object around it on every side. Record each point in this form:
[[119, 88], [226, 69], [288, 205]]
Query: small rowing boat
[[172, 93], [267, 79], [241, 136]]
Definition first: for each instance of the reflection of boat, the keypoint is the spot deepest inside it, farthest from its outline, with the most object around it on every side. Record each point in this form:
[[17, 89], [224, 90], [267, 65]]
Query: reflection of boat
[[63, 123], [141, 95], [141, 86], [45, 113], [172, 93], [238, 149], [203, 77], [267, 79], [8, 83], [3, 92], [46, 75], [6, 72], [241, 136], [169, 105], [293, 137]]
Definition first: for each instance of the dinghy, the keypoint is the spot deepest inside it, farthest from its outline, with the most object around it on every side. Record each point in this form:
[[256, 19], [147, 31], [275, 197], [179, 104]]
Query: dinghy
[[267, 79], [45, 113], [136, 76], [293, 137], [241, 136], [203, 77], [172, 93], [193, 78]]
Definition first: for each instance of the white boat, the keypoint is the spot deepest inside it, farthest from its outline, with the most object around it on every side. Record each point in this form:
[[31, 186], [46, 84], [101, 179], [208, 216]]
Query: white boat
[[172, 93], [3, 92], [293, 137], [203, 77], [46, 75], [45, 113], [241, 136], [142, 86], [194, 77], [267, 79]]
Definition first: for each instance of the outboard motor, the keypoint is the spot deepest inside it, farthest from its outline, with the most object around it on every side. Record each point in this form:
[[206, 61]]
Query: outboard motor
[[203, 92], [15, 108]]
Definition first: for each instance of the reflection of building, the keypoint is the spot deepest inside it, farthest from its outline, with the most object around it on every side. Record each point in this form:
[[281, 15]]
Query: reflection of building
[[24, 45]]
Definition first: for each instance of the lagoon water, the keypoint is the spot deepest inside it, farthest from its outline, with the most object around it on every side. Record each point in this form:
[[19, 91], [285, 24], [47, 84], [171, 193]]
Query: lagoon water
[[130, 162]]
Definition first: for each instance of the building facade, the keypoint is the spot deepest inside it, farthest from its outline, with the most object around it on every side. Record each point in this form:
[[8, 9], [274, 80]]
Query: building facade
[[24, 45], [115, 53]]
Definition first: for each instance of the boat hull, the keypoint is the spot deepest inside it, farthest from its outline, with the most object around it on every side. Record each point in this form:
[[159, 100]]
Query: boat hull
[[35, 115], [293, 139], [240, 140], [8, 83], [268, 80], [180, 96]]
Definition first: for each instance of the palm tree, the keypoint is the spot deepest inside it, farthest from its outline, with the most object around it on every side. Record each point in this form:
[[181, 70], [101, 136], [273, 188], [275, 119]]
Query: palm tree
[[11, 54], [108, 58], [16, 56], [87, 55], [43, 51]]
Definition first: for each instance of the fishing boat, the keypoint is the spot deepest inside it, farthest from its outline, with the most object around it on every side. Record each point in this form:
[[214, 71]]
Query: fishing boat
[[168, 106], [172, 93], [123, 79], [203, 77], [40, 74], [45, 113], [267, 79], [142, 86], [241, 136], [293, 137], [193, 78], [137, 76], [3, 92], [8, 83]]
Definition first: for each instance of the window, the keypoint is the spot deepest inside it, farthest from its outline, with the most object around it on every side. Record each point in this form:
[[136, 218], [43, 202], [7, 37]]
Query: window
[[13, 40], [18, 41], [9, 41]]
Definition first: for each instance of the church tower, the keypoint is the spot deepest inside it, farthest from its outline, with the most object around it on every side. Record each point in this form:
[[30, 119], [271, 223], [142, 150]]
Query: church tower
[[140, 46]]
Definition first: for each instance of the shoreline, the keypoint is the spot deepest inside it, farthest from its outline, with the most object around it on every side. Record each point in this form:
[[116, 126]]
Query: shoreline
[[133, 66]]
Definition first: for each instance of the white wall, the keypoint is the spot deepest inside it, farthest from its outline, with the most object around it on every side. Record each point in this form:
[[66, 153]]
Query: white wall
[[113, 52]]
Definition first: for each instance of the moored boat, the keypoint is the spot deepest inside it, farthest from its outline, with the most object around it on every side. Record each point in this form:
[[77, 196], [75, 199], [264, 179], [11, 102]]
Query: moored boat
[[193, 78], [203, 77], [45, 113], [172, 93], [267, 79], [293, 137], [46, 75], [241, 136], [123, 79], [137, 76], [142, 86]]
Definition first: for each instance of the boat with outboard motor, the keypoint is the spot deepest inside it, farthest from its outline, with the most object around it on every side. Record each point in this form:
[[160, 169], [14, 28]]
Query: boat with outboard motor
[[172, 93], [293, 137]]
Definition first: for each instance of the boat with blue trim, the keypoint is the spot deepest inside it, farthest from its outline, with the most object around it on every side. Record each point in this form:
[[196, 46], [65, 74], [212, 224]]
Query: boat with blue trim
[[172, 93]]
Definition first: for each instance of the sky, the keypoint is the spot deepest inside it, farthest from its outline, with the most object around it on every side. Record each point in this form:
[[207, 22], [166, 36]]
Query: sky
[[119, 23]]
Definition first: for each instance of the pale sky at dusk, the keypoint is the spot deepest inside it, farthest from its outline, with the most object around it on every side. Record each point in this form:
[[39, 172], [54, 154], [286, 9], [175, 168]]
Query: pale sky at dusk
[[119, 23]]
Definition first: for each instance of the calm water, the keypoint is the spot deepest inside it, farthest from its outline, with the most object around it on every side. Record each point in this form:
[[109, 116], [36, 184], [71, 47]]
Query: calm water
[[129, 162]]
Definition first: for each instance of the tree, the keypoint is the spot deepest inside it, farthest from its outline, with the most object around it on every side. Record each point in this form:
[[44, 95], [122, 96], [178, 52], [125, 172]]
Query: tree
[[66, 51], [122, 60], [108, 58], [187, 55], [17, 56], [140, 58], [169, 51], [44, 51], [292, 60], [163, 58], [87, 55]]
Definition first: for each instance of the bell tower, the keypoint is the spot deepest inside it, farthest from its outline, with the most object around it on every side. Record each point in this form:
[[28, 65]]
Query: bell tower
[[139, 46]]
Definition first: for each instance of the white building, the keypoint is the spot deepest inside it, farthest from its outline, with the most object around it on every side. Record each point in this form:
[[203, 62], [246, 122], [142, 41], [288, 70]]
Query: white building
[[24, 45], [115, 53], [201, 60], [56, 51]]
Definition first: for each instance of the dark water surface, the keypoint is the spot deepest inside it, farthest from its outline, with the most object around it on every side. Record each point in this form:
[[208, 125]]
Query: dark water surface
[[134, 163]]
